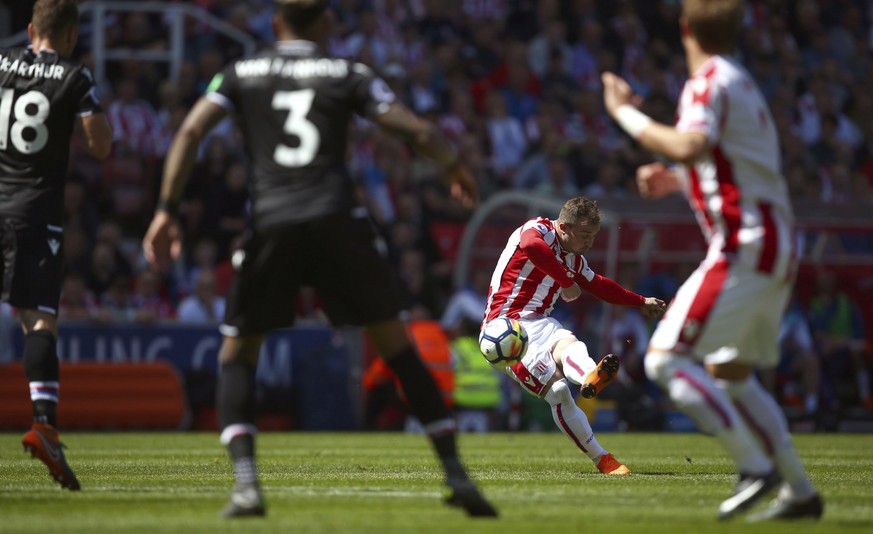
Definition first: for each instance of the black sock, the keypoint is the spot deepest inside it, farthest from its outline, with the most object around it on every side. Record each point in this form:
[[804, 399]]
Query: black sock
[[425, 402], [41, 365], [45, 412], [236, 394]]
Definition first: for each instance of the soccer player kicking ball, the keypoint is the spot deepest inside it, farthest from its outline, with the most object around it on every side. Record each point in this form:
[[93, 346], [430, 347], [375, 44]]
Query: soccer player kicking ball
[[43, 96], [727, 314], [543, 261]]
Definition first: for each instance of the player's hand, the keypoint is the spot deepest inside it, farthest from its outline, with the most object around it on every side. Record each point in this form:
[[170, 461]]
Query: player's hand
[[617, 92], [569, 294], [162, 242], [653, 308], [656, 180], [463, 186]]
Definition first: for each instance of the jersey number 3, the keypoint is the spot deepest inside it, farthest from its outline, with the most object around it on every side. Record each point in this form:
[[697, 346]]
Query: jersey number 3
[[298, 104], [28, 112]]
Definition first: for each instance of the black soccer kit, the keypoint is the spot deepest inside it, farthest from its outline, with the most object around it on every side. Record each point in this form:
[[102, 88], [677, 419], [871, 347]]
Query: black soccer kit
[[294, 106], [41, 96]]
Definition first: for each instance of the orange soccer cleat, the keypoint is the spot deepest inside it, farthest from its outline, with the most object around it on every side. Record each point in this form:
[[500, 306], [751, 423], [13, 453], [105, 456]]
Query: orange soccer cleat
[[43, 442], [601, 376], [608, 465]]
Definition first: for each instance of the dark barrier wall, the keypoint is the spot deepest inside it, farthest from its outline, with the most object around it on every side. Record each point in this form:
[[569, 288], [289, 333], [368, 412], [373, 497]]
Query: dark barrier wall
[[306, 374]]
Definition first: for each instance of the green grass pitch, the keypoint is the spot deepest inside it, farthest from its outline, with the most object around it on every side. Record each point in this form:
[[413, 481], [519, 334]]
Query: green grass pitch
[[390, 482]]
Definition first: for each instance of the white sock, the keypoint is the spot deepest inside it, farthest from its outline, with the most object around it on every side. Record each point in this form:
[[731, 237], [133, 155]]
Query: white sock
[[572, 420], [695, 393], [768, 424]]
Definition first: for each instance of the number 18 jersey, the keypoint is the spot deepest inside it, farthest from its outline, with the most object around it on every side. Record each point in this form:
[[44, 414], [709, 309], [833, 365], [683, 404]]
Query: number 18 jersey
[[41, 95], [294, 106]]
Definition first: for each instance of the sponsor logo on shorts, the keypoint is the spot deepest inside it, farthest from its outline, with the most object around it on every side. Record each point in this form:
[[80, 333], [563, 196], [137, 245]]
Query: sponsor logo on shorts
[[55, 245]]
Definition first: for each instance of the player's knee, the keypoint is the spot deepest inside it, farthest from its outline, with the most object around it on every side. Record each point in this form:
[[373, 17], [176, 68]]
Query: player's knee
[[576, 362], [659, 367], [559, 393]]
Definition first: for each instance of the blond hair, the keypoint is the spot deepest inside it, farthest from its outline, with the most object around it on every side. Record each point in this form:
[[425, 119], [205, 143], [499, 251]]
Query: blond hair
[[580, 210]]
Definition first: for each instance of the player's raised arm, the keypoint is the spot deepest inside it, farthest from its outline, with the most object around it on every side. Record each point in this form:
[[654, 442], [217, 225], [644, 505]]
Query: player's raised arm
[[667, 141], [427, 140]]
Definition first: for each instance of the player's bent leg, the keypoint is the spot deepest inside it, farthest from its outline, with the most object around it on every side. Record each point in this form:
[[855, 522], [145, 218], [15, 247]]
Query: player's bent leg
[[571, 420], [580, 369], [695, 393], [237, 414], [798, 497]]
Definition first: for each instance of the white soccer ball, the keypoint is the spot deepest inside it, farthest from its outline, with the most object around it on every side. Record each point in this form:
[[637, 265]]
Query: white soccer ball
[[503, 341]]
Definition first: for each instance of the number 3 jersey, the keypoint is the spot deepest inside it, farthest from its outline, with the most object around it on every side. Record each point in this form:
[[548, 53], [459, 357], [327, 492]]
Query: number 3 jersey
[[294, 106], [41, 96]]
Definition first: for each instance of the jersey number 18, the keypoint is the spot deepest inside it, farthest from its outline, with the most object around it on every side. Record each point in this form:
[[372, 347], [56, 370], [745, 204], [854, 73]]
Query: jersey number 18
[[28, 112]]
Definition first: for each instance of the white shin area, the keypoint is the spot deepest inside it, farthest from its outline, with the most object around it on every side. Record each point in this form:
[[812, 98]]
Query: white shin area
[[576, 362], [767, 421], [572, 420], [694, 392]]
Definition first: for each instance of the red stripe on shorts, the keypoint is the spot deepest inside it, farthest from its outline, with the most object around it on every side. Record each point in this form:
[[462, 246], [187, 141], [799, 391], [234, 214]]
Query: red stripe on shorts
[[704, 301]]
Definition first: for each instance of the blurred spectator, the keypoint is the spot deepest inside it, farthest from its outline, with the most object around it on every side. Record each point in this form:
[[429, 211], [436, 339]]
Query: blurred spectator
[[548, 46], [148, 300], [477, 393], [103, 267], [560, 181], [505, 135], [799, 362], [116, 303], [838, 331], [466, 304], [133, 119], [77, 302], [203, 306]]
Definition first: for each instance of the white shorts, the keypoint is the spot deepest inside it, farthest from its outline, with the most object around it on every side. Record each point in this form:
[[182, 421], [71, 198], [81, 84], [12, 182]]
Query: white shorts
[[725, 313], [537, 366]]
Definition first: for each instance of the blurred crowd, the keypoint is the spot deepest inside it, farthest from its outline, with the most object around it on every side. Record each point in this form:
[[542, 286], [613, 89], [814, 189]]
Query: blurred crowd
[[514, 84]]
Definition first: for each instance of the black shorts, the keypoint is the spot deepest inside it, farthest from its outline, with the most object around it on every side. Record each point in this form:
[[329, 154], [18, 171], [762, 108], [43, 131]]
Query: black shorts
[[31, 272], [336, 255]]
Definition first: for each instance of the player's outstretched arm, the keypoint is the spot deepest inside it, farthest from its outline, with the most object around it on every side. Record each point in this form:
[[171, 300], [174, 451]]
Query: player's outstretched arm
[[162, 240], [97, 133], [427, 140], [667, 141]]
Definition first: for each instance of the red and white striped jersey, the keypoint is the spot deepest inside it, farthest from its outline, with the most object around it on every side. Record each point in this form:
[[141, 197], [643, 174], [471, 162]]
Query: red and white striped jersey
[[737, 190], [521, 289]]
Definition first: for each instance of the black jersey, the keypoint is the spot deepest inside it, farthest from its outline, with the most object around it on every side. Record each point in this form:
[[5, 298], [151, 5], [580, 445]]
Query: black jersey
[[294, 106], [41, 95]]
